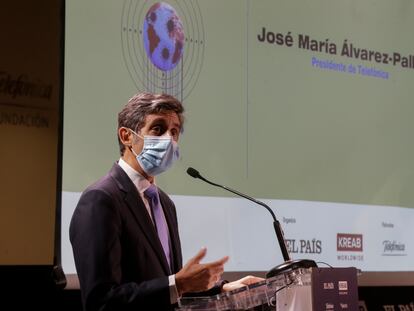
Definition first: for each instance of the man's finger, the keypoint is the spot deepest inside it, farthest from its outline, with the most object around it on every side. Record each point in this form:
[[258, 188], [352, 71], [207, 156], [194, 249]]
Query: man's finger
[[217, 263], [200, 255], [251, 279]]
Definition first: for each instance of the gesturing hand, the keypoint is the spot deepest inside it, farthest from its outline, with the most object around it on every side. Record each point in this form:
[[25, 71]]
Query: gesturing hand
[[197, 277]]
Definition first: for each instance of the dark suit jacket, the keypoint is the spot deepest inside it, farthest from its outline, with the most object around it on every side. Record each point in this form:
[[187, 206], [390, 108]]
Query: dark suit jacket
[[118, 256]]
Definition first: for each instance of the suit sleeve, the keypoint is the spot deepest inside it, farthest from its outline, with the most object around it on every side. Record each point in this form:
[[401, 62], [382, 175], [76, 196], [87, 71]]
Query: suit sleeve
[[95, 231]]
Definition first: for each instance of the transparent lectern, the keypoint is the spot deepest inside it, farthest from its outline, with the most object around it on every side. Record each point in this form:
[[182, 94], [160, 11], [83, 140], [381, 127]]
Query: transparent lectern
[[270, 294], [299, 289]]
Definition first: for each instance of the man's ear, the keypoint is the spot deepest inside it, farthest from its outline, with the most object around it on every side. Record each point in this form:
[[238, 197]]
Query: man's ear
[[125, 136]]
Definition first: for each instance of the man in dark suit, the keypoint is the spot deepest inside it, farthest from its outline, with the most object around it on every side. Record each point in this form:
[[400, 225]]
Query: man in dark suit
[[124, 230]]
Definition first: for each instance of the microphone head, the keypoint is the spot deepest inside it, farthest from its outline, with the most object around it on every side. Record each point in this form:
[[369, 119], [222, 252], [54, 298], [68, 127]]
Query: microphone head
[[193, 172]]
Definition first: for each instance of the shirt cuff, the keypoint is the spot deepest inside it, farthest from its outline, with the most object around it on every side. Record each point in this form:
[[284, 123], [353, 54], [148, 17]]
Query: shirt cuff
[[173, 289]]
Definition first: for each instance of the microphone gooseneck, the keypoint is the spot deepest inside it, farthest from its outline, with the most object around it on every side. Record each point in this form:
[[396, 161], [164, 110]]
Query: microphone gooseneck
[[289, 264], [194, 173]]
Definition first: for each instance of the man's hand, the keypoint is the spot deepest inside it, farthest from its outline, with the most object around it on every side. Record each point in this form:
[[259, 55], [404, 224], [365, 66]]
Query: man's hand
[[197, 277], [247, 280]]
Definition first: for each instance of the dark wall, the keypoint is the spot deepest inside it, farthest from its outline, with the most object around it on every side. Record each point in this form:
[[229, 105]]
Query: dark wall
[[31, 123]]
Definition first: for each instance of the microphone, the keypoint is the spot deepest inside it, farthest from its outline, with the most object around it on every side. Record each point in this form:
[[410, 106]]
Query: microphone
[[289, 264]]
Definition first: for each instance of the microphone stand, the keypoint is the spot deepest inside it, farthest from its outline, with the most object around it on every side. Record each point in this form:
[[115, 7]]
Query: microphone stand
[[289, 264]]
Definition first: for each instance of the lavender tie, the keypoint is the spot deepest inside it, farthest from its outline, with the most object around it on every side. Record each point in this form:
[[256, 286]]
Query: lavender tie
[[162, 228]]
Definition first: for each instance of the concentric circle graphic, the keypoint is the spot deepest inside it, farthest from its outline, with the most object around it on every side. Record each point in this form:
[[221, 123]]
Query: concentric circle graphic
[[163, 45]]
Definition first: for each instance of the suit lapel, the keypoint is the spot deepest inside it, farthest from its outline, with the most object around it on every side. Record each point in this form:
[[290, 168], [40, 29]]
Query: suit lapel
[[138, 209]]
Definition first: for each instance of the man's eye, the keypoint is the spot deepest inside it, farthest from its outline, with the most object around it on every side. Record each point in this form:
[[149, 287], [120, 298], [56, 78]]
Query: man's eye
[[156, 130], [175, 134]]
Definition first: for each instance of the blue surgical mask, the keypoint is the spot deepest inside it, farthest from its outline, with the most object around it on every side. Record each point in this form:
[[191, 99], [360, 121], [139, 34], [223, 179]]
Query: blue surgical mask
[[158, 154]]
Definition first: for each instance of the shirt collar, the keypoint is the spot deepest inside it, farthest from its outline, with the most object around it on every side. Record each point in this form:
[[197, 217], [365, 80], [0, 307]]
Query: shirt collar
[[137, 179]]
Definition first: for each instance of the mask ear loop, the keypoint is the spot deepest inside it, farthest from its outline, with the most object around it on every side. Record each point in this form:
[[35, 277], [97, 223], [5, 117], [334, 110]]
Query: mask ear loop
[[130, 147], [132, 150], [133, 132]]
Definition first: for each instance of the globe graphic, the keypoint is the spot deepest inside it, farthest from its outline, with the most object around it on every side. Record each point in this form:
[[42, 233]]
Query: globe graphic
[[163, 36]]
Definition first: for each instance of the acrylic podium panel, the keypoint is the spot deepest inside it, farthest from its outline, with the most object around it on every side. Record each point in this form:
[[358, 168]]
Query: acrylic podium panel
[[288, 291], [300, 289]]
